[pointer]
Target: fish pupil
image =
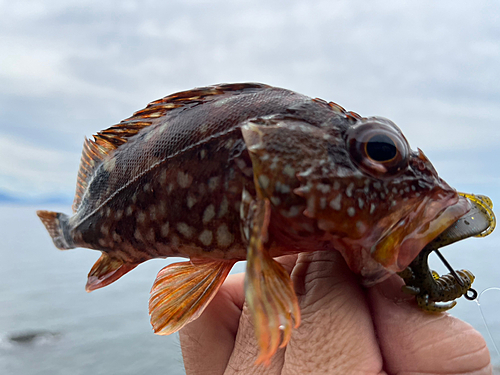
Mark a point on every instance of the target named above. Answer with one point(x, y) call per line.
point(381, 148)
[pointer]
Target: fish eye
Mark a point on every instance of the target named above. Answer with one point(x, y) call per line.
point(381, 148)
point(377, 147)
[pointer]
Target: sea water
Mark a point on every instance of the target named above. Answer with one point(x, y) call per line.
point(61, 329)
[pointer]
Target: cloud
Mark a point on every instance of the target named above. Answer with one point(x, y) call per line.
point(69, 69)
point(33, 171)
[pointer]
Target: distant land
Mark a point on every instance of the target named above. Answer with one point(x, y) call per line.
point(6, 198)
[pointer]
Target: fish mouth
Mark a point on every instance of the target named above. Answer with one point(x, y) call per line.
point(436, 222)
point(480, 221)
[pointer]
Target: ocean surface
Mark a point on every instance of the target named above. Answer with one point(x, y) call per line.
point(50, 325)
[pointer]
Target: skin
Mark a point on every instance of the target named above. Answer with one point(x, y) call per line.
point(346, 329)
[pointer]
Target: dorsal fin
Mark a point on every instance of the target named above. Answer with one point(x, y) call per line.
point(105, 141)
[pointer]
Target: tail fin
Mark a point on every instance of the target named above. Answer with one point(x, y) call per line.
point(57, 225)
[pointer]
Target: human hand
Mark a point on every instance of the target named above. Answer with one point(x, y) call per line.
point(345, 329)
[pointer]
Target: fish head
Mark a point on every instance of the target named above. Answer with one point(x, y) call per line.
point(375, 199)
point(398, 203)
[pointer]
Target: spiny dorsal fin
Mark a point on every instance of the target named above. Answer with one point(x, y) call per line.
point(110, 139)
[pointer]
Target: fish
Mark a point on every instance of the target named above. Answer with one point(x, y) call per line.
point(247, 171)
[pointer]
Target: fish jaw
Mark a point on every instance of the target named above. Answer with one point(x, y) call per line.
point(404, 240)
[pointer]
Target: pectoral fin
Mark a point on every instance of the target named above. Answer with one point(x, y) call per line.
point(107, 270)
point(268, 289)
point(181, 292)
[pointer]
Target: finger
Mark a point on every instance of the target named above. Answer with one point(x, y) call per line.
point(246, 348)
point(246, 351)
point(413, 341)
point(336, 334)
point(208, 341)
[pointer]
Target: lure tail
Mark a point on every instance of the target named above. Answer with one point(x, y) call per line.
point(57, 225)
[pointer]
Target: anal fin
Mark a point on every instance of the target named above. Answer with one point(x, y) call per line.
point(107, 270)
point(268, 289)
point(181, 292)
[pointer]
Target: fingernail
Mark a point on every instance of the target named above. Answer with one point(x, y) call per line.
point(391, 289)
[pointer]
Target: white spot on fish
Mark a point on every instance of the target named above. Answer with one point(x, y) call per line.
point(209, 213)
point(283, 188)
point(274, 164)
point(118, 214)
point(203, 153)
point(165, 228)
point(185, 230)
point(263, 181)
point(372, 208)
point(289, 170)
point(102, 242)
point(307, 173)
point(361, 227)
point(109, 164)
point(245, 196)
point(108, 212)
point(361, 203)
point(241, 163)
point(129, 211)
point(377, 185)
point(265, 156)
point(349, 189)
point(152, 212)
point(184, 179)
point(224, 237)
point(175, 241)
point(141, 217)
point(150, 236)
point(213, 183)
point(324, 188)
point(322, 203)
point(191, 201)
point(336, 185)
point(170, 188)
point(275, 200)
point(163, 177)
point(224, 207)
point(104, 230)
point(134, 198)
point(335, 203)
point(146, 188)
point(116, 237)
point(138, 235)
point(162, 208)
point(246, 232)
point(163, 128)
point(206, 237)
point(351, 211)
point(293, 211)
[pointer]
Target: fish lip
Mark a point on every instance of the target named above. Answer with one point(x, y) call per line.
point(431, 222)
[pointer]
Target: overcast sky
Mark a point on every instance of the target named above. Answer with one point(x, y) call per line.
point(71, 68)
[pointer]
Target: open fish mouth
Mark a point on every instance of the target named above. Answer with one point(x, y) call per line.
point(431, 289)
point(436, 222)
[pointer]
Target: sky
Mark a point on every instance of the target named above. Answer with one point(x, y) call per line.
point(71, 68)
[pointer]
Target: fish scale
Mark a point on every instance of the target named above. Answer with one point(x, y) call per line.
point(248, 171)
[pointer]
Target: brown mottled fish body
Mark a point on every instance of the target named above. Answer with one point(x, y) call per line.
point(248, 171)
